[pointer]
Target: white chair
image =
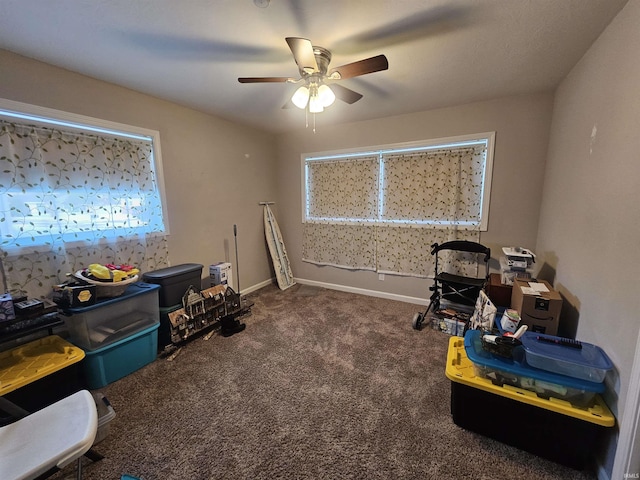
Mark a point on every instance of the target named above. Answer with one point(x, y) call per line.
point(49, 439)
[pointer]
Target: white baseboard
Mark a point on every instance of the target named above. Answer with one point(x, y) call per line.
point(257, 286)
point(364, 291)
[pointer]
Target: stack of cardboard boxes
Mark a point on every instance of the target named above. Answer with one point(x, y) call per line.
point(538, 304)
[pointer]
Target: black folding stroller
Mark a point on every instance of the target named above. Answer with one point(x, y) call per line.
point(453, 288)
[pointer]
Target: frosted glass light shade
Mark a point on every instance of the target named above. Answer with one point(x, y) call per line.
point(326, 95)
point(315, 104)
point(301, 97)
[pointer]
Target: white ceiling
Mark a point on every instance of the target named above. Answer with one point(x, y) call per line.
point(440, 52)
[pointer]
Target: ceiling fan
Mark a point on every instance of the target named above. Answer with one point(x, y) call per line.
point(313, 63)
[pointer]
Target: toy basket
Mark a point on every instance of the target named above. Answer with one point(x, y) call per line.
point(106, 289)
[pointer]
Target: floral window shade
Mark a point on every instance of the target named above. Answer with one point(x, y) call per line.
point(69, 198)
point(383, 212)
point(338, 245)
point(340, 206)
point(441, 186)
point(341, 189)
point(407, 251)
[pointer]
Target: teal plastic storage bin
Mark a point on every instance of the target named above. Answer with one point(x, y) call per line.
point(117, 360)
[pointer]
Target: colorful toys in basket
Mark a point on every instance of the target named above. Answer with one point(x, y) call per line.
point(110, 280)
point(109, 272)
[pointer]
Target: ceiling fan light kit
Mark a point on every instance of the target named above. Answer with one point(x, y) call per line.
point(313, 63)
point(317, 98)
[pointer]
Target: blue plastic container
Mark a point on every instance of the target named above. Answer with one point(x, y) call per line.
point(518, 373)
point(587, 363)
point(117, 360)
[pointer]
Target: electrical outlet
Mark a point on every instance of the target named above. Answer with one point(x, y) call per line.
point(381, 276)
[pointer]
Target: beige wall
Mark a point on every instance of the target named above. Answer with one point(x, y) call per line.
point(215, 171)
point(589, 221)
point(522, 126)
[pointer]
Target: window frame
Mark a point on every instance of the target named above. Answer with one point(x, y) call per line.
point(23, 113)
point(380, 151)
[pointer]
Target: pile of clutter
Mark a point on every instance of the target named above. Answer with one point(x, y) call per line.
point(450, 320)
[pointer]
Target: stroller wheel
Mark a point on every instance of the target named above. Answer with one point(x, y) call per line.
point(417, 321)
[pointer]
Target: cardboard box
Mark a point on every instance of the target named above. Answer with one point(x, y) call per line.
point(74, 295)
point(220, 274)
point(541, 312)
point(498, 292)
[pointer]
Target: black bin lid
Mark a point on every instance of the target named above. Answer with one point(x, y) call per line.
point(176, 270)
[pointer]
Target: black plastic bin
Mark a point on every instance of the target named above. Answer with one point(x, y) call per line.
point(175, 281)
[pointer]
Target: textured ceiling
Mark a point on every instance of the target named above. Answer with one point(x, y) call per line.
point(440, 52)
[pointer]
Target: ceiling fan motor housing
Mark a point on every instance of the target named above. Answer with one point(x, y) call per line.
point(323, 57)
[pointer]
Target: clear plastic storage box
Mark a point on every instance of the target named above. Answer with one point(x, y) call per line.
point(516, 372)
point(589, 362)
point(114, 319)
point(106, 413)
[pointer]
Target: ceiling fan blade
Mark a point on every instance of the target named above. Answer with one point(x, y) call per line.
point(265, 79)
point(345, 94)
point(303, 54)
point(362, 67)
point(417, 26)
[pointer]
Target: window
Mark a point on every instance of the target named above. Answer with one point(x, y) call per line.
point(380, 209)
point(80, 189)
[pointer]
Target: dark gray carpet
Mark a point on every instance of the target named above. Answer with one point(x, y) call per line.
point(322, 384)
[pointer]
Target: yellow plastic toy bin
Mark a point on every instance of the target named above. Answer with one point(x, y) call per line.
point(551, 428)
point(41, 372)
